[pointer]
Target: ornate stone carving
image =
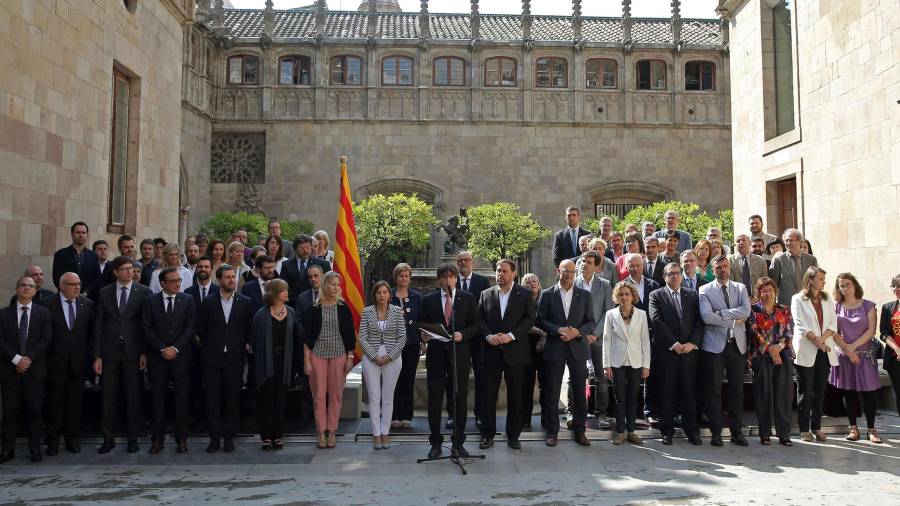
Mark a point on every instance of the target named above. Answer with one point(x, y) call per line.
point(676, 24)
point(626, 25)
point(475, 20)
point(248, 199)
point(238, 157)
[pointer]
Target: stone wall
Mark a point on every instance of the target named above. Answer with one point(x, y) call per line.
point(845, 151)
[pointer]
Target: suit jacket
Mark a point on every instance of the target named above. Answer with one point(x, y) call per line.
point(805, 319)
point(372, 338)
point(757, 270)
point(668, 327)
point(36, 343)
point(464, 320)
point(551, 316)
point(69, 347)
point(147, 271)
point(657, 273)
point(65, 260)
point(649, 286)
point(517, 320)
point(112, 327)
point(719, 318)
point(477, 284)
point(216, 334)
point(296, 278)
point(304, 302)
point(562, 245)
point(162, 330)
point(630, 340)
point(781, 271)
point(194, 291)
point(601, 300)
point(253, 291)
point(698, 281)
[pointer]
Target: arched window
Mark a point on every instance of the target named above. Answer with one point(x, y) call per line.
point(551, 72)
point(449, 71)
point(243, 69)
point(700, 76)
point(294, 69)
point(601, 73)
point(500, 71)
point(397, 71)
point(651, 75)
point(346, 69)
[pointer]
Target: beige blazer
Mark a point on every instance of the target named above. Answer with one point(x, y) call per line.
point(805, 319)
point(757, 270)
point(621, 340)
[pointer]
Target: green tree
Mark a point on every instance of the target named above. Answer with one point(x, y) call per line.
point(221, 225)
point(500, 230)
point(393, 228)
point(691, 218)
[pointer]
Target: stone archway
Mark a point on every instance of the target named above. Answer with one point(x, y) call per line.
point(618, 196)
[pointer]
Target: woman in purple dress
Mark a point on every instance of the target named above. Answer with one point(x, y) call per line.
point(856, 374)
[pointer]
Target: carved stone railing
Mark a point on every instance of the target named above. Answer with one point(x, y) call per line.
point(499, 104)
point(448, 104)
point(651, 107)
point(551, 106)
point(603, 106)
point(345, 103)
point(240, 103)
point(396, 103)
point(296, 103)
point(703, 107)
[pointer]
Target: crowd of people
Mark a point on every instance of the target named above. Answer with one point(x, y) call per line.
point(662, 318)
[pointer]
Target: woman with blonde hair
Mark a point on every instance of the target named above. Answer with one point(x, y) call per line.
point(235, 258)
point(704, 252)
point(328, 355)
point(321, 250)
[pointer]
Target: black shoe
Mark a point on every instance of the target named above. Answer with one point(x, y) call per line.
point(479, 423)
point(739, 439)
point(53, 449)
point(73, 447)
point(581, 439)
point(134, 448)
point(764, 440)
point(785, 441)
point(106, 447)
point(667, 439)
point(36, 455)
point(716, 440)
point(449, 424)
point(435, 451)
point(514, 444)
point(229, 445)
point(6, 457)
point(213, 446)
point(486, 443)
point(155, 447)
point(459, 452)
point(277, 444)
point(695, 439)
point(182, 447)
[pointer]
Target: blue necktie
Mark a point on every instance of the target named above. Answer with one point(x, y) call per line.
point(123, 299)
point(23, 330)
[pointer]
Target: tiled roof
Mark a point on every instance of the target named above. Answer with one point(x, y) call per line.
point(248, 24)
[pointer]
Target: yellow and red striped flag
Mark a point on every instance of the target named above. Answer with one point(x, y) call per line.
point(346, 254)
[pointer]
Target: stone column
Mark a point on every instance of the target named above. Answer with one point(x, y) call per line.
point(628, 84)
point(424, 82)
point(578, 67)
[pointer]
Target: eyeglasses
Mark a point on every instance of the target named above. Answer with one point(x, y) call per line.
point(670, 274)
point(570, 273)
point(27, 285)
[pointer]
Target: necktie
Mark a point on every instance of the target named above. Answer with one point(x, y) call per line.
point(71, 314)
point(169, 306)
point(690, 283)
point(23, 330)
point(677, 298)
point(574, 241)
point(123, 299)
point(448, 308)
point(745, 271)
point(650, 268)
point(315, 296)
point(725, 296)
point(798, 276)
point(203, 292)
point(466, 285)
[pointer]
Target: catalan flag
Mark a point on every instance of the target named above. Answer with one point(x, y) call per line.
point(346, 254)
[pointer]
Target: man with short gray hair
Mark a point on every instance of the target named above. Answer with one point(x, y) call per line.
point(788, 267)
point(684, 238)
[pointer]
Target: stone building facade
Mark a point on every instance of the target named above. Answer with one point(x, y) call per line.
point(90, 119)
point(462, 109)
point(815, 88)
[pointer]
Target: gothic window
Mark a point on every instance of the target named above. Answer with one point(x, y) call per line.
point(397, 71)
point(243, 69)
point(118, 170)
point(346, 70)
point(651, 75)
point(500, 71)
point(700, 76)
point(449, 71)
point(550, 72)
point(294, 69)
point(601, 73)
point(238, 157)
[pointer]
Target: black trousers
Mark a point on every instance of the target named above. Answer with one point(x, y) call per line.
point(626, 385)
point(773, 395)
point(602, 393)
point(223, 380)
point(892, 366)
point(869, 406)
point(533, 374)
point(439, 365)
point(476, 350)
point(677, 380)
point(178, 371)
point(270, 409)
point(125, 371)
point(62, 408)
point(554, 370)
point(404, 392)
point(811, 382)
point(729, 363)
point(16, 391)
point(514, 376)
point(653, 386)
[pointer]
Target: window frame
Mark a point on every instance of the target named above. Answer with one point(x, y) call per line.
point(601, 61)
point(700, 64)
point(397, 59)
point(295, 59)
point(449, 62)
point(500, 81)
point(112, 223)
point(551, 60)
point(637, 77)
point(345, 59)
point(245, 57)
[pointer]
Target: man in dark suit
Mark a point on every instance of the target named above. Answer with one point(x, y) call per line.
point(77, 258)
point(24, 339)
point(654, 265)
point(293, 270)
point(200, 290)
point(565, 312)
point(223, 325)
point(644, 285)
point(148, 261)
point(168, 320)
point(506, 314)
point(458, 312)
point(474, 283)
point(675, 352)
point(601, 298)
point(690, 279)
point(204, 287)
point(565, 242)
point(37, 275)
point(72, 320)
point(254, 290)
point(119, 350)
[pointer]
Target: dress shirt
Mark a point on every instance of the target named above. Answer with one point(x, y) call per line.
point(444, 296)
point(262, 287)
point(169, 299)
point(65, 306)
point(464, 282)
point(651, 265)
point(638, 285)
point(504, 301)
point(119, 287)
point(17, 358)
point(691, 281)
point(226, 309)
point(676, 296)
point(566, 297)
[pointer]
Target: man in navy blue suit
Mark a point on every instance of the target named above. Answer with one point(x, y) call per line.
point(77, 258)
point(204, 287)
point(565, 242)
point(254, 290)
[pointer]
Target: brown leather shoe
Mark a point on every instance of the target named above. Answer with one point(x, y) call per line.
point(619, 439)
point(634, 439)
point(550, 440)
point(820, 436)
point(581, 439)
point(156, 447)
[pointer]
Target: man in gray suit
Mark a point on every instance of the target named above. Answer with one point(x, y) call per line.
point(788, 267)
point(601, 297)
point(724, 307)
point(746, 266)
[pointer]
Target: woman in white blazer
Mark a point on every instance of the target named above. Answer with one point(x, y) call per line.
point(815, 324)
point(626, 357)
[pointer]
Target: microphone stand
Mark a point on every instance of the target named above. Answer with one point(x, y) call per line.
point(454, 386)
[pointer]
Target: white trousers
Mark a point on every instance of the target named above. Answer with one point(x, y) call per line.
point(380, 383)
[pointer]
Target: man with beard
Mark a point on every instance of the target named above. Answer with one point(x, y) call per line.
point(77, 258)
point(255, 290)
point(148, 261)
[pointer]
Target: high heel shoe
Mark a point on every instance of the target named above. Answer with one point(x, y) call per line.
point(854, 434)
point(872, 434)
point(331, 438)
point(321, 441)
